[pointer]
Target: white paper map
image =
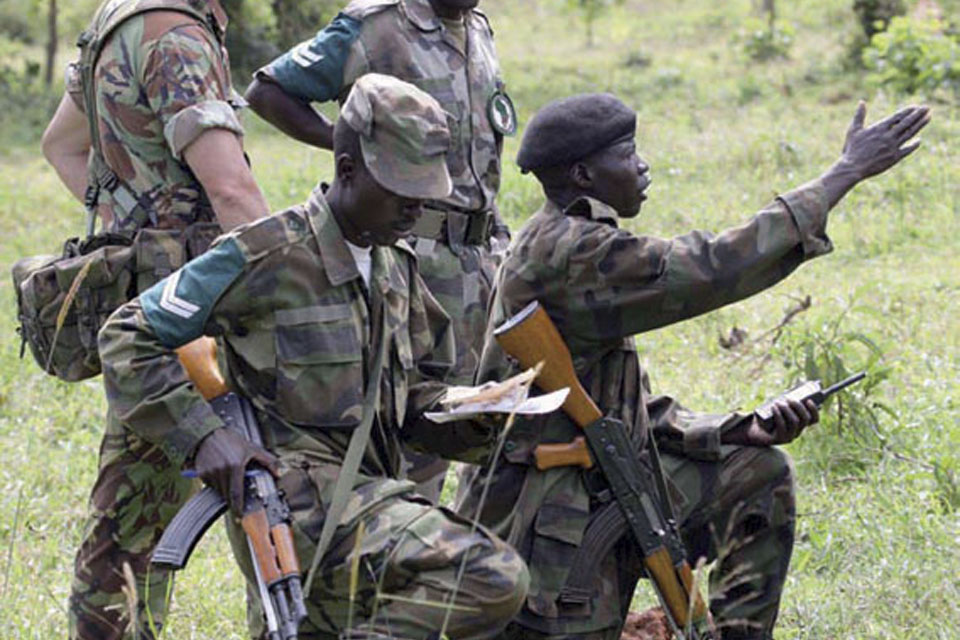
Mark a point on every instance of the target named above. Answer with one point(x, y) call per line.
point(509, 396)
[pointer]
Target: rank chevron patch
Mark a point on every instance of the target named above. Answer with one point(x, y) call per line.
point(170, 302)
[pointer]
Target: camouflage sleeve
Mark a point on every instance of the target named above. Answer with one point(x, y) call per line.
point(315, 70)
point(619, 284)
point(434, 352)
point(145, 384)
point(72, 85)
point(684, 432)
point(187, 86)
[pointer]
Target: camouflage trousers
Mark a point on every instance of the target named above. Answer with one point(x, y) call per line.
point(460, 279)
point(739, 511)
point(137, 493)
point(408, 553)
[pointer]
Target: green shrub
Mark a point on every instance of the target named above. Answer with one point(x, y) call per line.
point(914, 56)
point(760, 41)
point(875, 15)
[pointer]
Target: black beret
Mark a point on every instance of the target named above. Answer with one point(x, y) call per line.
point(567, 130)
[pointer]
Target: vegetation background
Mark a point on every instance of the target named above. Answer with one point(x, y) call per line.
point(738, 101)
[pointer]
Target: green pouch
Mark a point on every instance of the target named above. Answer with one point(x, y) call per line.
point(63, 301)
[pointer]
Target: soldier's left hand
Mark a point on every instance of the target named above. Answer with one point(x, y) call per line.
point(790, 418)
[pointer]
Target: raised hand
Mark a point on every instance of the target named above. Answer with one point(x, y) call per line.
point(868, 151)
point(874, 149)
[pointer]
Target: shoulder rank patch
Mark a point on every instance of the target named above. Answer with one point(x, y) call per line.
point(178, 306)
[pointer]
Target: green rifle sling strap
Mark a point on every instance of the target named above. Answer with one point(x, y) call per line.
point(351, 461)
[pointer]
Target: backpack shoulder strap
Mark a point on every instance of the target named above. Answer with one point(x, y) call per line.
point(136, 210)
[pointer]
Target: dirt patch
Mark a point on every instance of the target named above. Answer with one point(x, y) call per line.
point(648, 625)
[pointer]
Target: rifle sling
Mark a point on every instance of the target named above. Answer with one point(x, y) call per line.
point(354, 455)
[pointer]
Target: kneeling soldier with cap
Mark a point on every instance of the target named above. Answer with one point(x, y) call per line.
point(329, 331)
point(732, 492)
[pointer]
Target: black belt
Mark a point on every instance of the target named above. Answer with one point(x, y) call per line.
point(455, 227)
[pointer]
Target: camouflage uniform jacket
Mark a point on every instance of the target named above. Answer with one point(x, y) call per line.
point(296, 320)
point(406, 39)
point(161, 80)
point(601, 285)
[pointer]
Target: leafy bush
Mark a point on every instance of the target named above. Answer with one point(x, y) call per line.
point(760, 41)
point(875, 15)
point(914, 56)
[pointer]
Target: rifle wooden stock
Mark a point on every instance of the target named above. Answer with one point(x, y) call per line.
point(531, 337)
point(564, 454)
point(199, 359)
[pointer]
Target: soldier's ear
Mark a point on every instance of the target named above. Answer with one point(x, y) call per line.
point(346, 168)
point(580, 175)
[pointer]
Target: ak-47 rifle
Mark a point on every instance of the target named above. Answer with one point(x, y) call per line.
point(266, 516)
point(531, 337)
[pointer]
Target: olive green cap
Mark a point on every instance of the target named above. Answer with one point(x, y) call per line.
point(403, 135)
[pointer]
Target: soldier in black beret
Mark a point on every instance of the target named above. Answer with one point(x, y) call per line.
point(732, 490)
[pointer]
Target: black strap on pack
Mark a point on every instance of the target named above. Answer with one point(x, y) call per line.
point(137, 209)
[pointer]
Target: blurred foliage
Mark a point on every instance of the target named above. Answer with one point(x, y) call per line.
point(762, 41)
point(915, 55)
point(873, 16)
point(589, 11)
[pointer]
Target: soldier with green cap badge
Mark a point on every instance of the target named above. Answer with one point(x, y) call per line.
point(732, 492)
point(446, 48)
point(330, 332)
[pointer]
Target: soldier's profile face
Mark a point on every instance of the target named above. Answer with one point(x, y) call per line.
point(620, 178)
point(382, 216)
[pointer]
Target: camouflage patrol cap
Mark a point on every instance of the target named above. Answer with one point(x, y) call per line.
point(573, 128)
point(403, 135)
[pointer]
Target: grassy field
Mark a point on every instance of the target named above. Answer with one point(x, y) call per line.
point(878, 551)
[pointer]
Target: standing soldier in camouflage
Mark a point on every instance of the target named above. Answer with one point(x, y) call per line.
point(331, 333)
point(147, 136)
point(444, 47)
point(732, 491)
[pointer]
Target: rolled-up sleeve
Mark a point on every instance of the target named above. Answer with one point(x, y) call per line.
point(189, 124)
point(187, 86)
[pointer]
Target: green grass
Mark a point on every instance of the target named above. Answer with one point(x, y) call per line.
point(878, 550)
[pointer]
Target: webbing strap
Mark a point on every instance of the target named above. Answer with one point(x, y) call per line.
point(351, 461)
point(138, 212)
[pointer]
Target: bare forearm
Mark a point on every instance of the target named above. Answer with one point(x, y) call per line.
point(217, 160)
point(294, 117)
point(235, 207)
